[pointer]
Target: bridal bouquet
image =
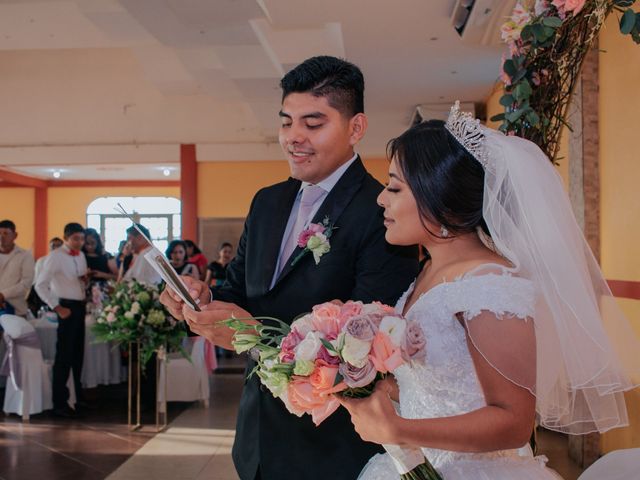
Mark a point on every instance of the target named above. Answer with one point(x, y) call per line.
point(337, 348)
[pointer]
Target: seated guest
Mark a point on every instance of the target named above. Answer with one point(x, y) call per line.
point(217, 270)
point(140, 269)
point(61, 284)
point(196, 257)
point(16, 271)
point(177, 254)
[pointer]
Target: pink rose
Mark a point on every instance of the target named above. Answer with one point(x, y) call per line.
point(574, 6)
point(288, 346)
point(414, 346)
point(326, 319)
point(309, 232)
point(348, 310)
point(325, 356)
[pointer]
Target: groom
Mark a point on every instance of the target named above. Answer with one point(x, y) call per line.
point(322, 119)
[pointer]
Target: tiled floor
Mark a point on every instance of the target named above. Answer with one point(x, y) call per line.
point(90, 447)
point(196, 446)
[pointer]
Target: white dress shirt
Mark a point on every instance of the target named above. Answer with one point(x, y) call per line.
point(327, 185)
point(61, 277)
point(141, 270)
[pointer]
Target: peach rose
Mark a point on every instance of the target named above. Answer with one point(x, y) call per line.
point(384, 354)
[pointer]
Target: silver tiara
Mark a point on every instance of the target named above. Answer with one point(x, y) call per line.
point(468, 132)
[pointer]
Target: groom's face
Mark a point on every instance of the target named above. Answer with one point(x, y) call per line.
point(315, 137)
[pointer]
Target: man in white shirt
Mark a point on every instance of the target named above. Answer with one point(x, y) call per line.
point(16, 271)
point(61, 285)
point(140, 269)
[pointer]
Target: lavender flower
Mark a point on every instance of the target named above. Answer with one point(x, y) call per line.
point(355, 377)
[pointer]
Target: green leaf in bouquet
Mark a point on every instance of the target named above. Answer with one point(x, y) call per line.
point(628, 21)
point(553, 22)
point(510, 67)
point(328, 345)
point(506, 101)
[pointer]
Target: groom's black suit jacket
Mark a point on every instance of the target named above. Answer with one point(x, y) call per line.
point(359, 266)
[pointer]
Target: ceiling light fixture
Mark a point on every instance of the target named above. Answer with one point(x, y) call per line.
point(166, 172)
point(56, 174)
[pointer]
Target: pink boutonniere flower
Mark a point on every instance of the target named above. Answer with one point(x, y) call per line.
point(315, 239)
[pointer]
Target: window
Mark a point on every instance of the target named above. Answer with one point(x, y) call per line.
point(161, 215)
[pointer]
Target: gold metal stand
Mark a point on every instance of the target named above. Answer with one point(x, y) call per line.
point(137, 425)
point(134, 383)
point(161, 405)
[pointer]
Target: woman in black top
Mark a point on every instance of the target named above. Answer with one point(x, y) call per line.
point(217, 270)
point(177, 255)
point(101, 265)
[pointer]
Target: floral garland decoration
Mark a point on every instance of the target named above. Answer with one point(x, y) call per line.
point(548, 42)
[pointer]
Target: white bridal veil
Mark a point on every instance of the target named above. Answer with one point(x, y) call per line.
point(586, 353)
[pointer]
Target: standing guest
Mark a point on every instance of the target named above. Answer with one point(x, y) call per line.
point(177, 255)
point(124, 258)
point(197, 258)
point(55, 242)
point(34, 302)
point(217, 270)
point(322, 120)
point(61, 285)
point(16, 271)
point(140, 269)
point(102, 266)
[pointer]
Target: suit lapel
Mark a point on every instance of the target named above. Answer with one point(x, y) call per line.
point(278, 219)
point(333, 206)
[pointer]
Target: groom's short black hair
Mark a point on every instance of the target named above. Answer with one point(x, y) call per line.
point(341, 82)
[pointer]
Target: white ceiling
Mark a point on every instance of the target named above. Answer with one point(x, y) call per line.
point(87, 85)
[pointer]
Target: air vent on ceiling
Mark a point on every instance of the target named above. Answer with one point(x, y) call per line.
point(437, 111)
point(479, 21)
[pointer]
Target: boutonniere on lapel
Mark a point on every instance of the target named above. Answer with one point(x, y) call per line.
point(315, 239)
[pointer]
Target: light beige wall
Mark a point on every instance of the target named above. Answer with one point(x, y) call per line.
point(619, 103)
point(225, 189)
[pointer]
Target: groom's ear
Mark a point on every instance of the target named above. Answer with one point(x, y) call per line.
point(357, 127)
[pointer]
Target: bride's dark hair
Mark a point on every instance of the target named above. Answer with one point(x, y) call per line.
point(446, 180)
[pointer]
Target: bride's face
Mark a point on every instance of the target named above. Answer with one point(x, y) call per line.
point(401, 216)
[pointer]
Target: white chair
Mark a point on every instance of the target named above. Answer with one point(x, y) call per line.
point(616, 465)
point(29, 393)
point(185, 381)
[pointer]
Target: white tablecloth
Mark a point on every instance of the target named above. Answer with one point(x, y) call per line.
point(101, 360)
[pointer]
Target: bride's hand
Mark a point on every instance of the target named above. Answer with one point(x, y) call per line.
point(374, 417)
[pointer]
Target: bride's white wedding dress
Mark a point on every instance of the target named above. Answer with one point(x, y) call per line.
point(446, 384)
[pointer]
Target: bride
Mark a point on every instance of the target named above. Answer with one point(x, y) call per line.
point(519, 323)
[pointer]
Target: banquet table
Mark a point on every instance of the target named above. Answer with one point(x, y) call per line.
point(101, 366)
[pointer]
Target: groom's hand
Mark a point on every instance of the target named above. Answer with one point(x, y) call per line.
point(197, 289)
point(374, 417)
point(208, 322)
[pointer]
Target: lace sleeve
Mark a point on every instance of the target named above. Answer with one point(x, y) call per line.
point(497, 314)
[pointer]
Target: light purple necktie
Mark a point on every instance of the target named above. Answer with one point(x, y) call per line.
point(310, 195)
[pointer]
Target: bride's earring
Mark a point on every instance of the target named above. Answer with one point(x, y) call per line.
point(444, 233)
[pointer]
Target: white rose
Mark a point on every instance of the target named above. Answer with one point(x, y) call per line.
point(308, 348)
point(111, 317)
point(394, 327)
point(135, 308)
point(129, 315)
point(355, 351)
point(303, 325)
